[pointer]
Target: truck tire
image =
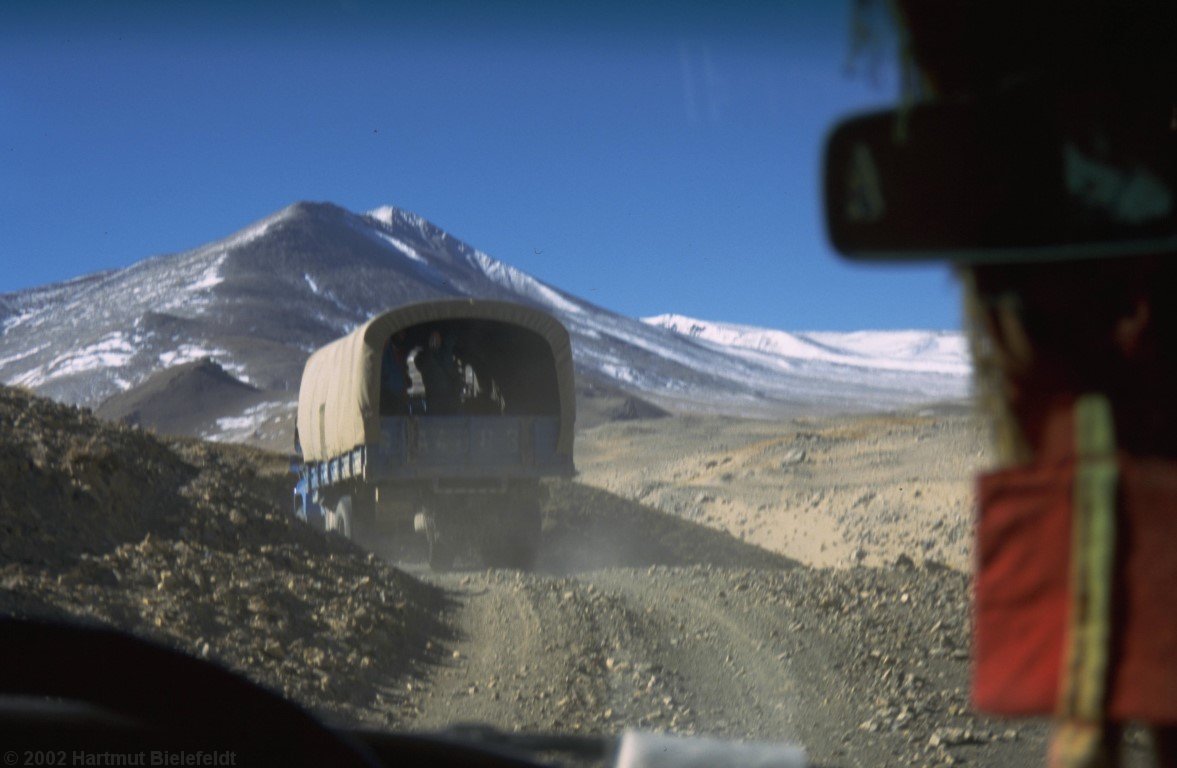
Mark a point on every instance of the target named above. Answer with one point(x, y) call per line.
point(441, 551)
point(309, 513)
point(439, 537)
point(363, 514)
point(339, 519)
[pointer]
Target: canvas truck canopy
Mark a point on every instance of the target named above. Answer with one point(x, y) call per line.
point(526, 350)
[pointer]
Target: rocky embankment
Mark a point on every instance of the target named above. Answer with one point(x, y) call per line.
point(189, 543)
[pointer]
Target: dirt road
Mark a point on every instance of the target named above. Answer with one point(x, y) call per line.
point(852, 665)
point(862, 666)
point(643, 620)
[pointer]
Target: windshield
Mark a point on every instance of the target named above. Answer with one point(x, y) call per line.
point(710, 480)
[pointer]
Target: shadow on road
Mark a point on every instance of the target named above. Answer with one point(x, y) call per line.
point(586, 528)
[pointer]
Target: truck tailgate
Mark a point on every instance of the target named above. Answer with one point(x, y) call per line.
point(471, 446)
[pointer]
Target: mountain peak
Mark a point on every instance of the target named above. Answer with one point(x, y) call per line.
point(384, 214)
point(390, 215)
point(301, 211)
point(309, 208)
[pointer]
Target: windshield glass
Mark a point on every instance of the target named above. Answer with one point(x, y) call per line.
point(486, 363)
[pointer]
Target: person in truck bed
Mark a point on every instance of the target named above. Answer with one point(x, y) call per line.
point(394, 377)
point(440, 375)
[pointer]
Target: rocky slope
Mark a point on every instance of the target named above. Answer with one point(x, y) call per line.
point(189, 543)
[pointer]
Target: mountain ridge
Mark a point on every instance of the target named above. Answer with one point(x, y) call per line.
point(259, 300)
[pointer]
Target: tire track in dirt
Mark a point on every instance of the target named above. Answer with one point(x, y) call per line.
point(610, 649)
point(745, 668)
point(525, 657)
point(725, 667)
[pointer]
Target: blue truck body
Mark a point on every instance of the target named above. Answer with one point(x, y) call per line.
point(446, 452)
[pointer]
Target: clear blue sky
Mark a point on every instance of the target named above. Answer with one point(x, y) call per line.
point(648, 157)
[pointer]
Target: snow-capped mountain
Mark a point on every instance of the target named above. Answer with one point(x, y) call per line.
point(258, 302)
point(916, 352)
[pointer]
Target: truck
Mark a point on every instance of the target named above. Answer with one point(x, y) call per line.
point(464, 467)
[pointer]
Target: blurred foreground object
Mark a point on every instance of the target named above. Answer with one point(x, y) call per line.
point(657, 750)
point(1035, 147)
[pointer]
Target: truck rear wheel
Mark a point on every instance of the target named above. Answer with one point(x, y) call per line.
point(438, 537)
point(362, 521)
point(441, 550)
point(339, 519)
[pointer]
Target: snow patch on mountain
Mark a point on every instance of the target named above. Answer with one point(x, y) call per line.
point(22, 355)
point(250, 418)
point(236, 429)
point(111, 351)
point(210, 278)
point(15, 320)
point(520, 282)
point(236, 370)
point(389, 216)
point(187, 353)
point(384, 214)
point(403, 247)
point(934, 352)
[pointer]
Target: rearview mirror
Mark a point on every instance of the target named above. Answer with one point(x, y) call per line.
point(955, 181)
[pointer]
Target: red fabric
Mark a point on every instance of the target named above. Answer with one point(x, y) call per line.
point(1021, 589)
point(1023, 555)
point(1146, 659)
